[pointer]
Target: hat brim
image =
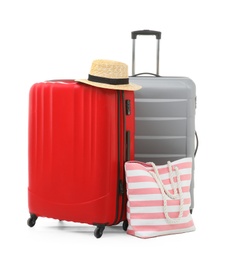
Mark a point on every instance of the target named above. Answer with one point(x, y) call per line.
point(129, 87)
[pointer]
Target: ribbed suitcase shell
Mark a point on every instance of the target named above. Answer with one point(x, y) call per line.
point(79, 138)
point(165, 119)
point(165, 114)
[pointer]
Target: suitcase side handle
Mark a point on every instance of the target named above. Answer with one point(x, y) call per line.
point(197, 143)
point(146, 32)
point(128, 142)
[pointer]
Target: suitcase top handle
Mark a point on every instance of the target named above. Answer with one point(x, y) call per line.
point(146, 32)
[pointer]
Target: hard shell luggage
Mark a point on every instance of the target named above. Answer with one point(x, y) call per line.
point(79, 138)
point(165, 114)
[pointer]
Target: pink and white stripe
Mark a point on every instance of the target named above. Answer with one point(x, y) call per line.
point(145, 207)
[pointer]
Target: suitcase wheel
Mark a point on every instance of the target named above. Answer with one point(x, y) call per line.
point(32, 220)
point(125, 225)
point(98, 232)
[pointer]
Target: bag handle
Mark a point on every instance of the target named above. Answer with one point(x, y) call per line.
point(165, 192)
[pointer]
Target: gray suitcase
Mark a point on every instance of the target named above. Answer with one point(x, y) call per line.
point(165, 115)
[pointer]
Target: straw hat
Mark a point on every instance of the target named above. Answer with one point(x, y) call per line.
point(110, 75)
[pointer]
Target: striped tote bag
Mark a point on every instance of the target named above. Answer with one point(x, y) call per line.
point(159, 198)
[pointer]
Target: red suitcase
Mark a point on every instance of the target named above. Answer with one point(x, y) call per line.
point(79, 138)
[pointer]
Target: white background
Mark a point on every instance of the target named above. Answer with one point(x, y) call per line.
point(47, 39)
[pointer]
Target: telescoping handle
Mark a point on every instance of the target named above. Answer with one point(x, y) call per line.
point(134, 35)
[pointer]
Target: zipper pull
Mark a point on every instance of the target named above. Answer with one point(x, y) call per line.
point(128, 107)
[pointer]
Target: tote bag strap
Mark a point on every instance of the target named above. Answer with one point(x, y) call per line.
point(165, 193)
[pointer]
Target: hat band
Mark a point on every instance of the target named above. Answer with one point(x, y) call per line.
point(108, 80)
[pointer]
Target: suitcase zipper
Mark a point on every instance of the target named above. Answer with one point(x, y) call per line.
point(126, 107)
point(119, 144)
